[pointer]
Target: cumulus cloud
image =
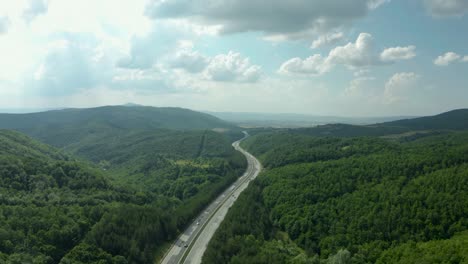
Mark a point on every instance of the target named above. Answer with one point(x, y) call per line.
point(73, 63)
point(314, 65)
point(398, 53)
point(191, 61)
point(4, 24)
point(446, 8)
point(290, 19)
point(362, 53)
point(34, 9)
point(327, 39)
point(232, 67)
point(147, 49)
point(143, 53)
point(465, 59)
point(399, 85)
point(66, 69)
point(358, 54)
point(447, 58)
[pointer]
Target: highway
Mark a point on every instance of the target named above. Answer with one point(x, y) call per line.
point(192, 243)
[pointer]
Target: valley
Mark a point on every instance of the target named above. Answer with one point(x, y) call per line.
point(107, 195)
point(85, 186)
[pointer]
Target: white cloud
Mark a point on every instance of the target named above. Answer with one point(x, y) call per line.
point(276, 18)
point(358, 54)
point(232, 67)
point(465, 59)
point(165, 38)
point(327, 39)
point(34, 9)
point(314, 65)
point(447, 58)
point(362, 53)
point(189, 60)
point(68, 67)
point(399, 86)
point(145, 50)
point(445, 8)
point(398, 53)
point(4, 23)
point(94, 34)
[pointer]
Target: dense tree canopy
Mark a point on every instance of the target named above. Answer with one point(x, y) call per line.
point(349, 200)
point(135, 197)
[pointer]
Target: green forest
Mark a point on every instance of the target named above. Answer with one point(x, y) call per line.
point(120, 198)
point(350, 200)
point(118, 184)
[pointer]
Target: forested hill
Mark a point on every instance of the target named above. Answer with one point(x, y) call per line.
point(453, 120)
point(48, 203)
point(64, 127)
point(147, 187)
point(18, 145)
point(350, 200)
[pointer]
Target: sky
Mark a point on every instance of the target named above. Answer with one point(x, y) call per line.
point(334, 57)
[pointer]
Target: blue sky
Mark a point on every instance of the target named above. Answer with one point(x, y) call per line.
point(336, 57)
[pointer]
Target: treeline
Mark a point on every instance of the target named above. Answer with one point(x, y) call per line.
point(347, 200)
point(55, 209)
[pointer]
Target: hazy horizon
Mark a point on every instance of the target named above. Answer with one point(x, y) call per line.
point(19, 110)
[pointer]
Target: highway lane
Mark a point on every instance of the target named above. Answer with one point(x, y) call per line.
point(192, 243)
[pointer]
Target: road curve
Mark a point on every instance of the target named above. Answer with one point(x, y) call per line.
point(192, 243)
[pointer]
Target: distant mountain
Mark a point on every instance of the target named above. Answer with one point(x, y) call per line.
point(68, 126)
point(26, 110)
point(453, 120)
point(285, 120)
point(132, 105)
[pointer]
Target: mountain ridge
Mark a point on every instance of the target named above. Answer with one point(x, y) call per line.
point(67, 126)
point(447, 121)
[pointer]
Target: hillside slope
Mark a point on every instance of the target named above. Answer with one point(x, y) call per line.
point(324, 199)
point(453, 120)
point(55, 209)
point(63, 127)
point(46, 199)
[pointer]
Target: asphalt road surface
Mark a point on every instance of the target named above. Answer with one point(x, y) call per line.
point(192, 243)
